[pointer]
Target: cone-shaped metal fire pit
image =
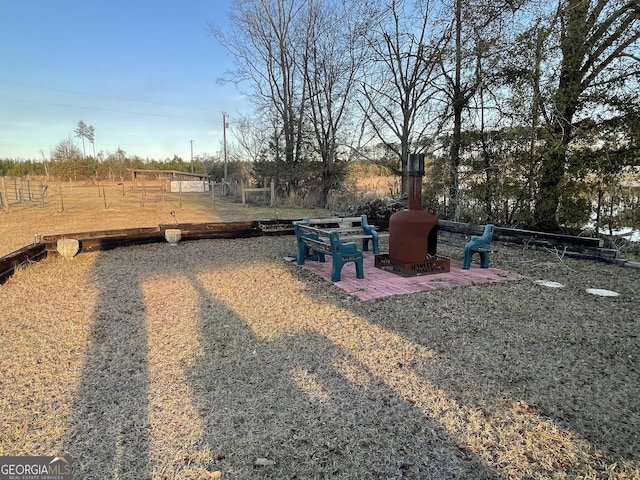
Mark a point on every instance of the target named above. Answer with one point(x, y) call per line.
point(413, 233)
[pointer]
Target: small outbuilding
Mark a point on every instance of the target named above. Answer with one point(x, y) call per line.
point(172, 180)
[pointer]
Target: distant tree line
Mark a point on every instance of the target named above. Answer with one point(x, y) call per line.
point(21, 168)
point(67, 162)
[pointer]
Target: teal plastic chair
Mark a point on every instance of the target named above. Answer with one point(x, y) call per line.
point(480, 245)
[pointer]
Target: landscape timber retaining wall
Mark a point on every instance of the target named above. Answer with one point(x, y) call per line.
point(578, 247)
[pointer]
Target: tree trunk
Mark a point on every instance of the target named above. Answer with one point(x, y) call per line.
point(454, 160)
point(552, 169)
point(549, 191)
point(458, 102)
point(593, 37)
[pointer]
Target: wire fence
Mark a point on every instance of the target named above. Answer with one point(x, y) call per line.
point(16, 191)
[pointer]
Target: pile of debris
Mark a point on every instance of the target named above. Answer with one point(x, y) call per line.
point(378, 211)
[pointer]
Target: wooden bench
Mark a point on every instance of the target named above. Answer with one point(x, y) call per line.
point(335, 236)
point(480, 245)
point(350, 229)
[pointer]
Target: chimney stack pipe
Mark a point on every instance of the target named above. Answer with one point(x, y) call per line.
point(415, 172)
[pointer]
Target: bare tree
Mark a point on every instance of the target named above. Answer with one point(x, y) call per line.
point(398, 91)
point(252, 137)
point(301, 59)
point(469, 54)
point(267, 39)
point(66, 159)
point(335, 57)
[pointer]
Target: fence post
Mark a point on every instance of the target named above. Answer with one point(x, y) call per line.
point(61, 199)
point(4, 201)
point(273, 192)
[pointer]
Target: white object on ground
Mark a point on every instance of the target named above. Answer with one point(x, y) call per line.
point(173, 235)
point(549, 283)
point(68, 247)
point(602, 293)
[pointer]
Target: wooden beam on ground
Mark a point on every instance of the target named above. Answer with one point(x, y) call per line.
point(200, 231)
point(9, 263)
point(516, 235)
point(277, 227)
point(566, 245)
point(106, 239)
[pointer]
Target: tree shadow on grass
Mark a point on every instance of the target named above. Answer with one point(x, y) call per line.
point(567, 365)
point(302, 391)
point(313, 408)
point(109, 433)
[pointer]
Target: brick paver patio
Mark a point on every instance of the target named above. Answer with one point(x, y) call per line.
point(378, 283)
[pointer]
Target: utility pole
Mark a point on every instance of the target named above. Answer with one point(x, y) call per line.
point(191, 155)
point(224, 142)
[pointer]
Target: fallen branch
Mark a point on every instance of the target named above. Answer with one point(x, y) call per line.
point(560, 257)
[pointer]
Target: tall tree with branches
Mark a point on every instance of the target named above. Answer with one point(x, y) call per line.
point(337, 53)
point(91, 136)
point(467, 58)
point(81, 131)
point(398, 89)
point(268, 39)
point(598, 58)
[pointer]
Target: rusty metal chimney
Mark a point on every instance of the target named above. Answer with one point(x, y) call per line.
point(413, 233)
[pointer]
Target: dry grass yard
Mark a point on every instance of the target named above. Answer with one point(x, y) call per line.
point(217, 359)
point(83, 207)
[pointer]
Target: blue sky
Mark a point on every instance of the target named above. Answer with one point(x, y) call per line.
point(142, 73)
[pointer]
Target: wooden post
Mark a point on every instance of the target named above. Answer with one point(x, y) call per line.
point(4, 201)
point(104, 196)
point(273, 191)
point(61, 199)
point(242, 190)
point(180, 191)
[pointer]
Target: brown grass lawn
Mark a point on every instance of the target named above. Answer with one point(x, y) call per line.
point(82, 207)
point(217, 359)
